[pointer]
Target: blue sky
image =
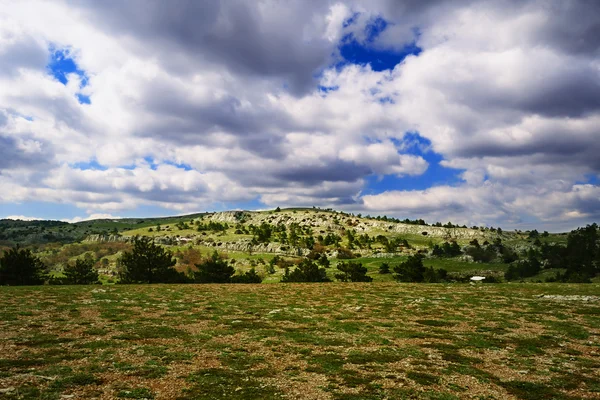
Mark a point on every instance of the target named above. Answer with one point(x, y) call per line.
point(433, 111)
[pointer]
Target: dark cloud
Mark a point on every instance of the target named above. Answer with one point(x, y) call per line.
point(331, 171)
point(569, 95)
point(12, 156)
point(178, 118)
point(24, 53)
point(572, 26)
point(261, 41)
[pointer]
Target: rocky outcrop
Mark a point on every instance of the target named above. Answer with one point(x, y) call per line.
point(245, 245)
point(107, 238)
point(328, 221)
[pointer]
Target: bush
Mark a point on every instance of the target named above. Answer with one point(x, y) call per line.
point(412, 270)
point(344, 254)
point(447, 250)
point(306, 271)
point(523, 269)
point(384, 268)
point(20, 267)
point(214, 270)
point(247, 277)
point(352, 272)
point(482, 254)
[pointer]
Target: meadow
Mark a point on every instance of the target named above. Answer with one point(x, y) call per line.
point(381, 340)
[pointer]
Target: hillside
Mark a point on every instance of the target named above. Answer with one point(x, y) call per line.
point(270, 240)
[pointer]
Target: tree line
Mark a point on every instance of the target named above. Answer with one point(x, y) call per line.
point(147, 262)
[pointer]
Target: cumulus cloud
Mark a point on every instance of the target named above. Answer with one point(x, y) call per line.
point(22, 218)
point(222, 102)
point(91, 217)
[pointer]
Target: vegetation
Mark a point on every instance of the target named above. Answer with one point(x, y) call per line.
point(247, 277)
point(317, 340)
point(446, 250)
point(273, 242)
point(358, 341)
point(306, 271)
point(352, 271)
point(81, 273)
point(20, 267)
point(413, 270)
point(148, 263)
point(384, 268)
point(214, 270)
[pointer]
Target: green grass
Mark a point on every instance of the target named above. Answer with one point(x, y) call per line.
point(293, 341)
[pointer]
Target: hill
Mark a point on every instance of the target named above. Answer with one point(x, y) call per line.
point(270, 240)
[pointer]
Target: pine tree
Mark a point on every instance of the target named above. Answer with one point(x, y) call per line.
point(81, 273)
point(352, 271)
point(148, 263)
point(214, 270)
point(20, 267)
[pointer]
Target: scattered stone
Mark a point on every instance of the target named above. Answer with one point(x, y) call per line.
point(7, 390)
point(274, 311)
point(573, 297)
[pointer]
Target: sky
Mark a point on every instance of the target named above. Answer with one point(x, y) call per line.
point(476, 112)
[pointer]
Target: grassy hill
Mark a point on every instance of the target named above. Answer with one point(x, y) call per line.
point(240, 236)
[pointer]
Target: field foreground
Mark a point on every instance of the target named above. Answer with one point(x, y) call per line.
point(301, 341)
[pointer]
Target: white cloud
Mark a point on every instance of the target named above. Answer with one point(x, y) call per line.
point(506, 92)
point(91, 217)
point(22, 218)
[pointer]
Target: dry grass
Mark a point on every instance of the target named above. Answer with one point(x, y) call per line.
point(299, 341)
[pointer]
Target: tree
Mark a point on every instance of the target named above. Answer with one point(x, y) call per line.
point(214, 270)
point(306, 271)
point(81, 273)
point(410, 270)
point(384, 268)
point(352, 271)
point(20, 267)
point(247, 277)
point(323, 261)
point(148, 262)
point(583, 251)
point(523, 269)
point(431, 275)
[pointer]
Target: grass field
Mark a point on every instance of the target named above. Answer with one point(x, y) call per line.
point(300, 341)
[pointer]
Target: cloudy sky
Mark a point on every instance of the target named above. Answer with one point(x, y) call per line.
point(478, 112)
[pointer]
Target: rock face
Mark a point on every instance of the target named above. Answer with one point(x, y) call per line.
point(329, 221)
point(107, 238)
point(231, 217)
point(245, 245)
